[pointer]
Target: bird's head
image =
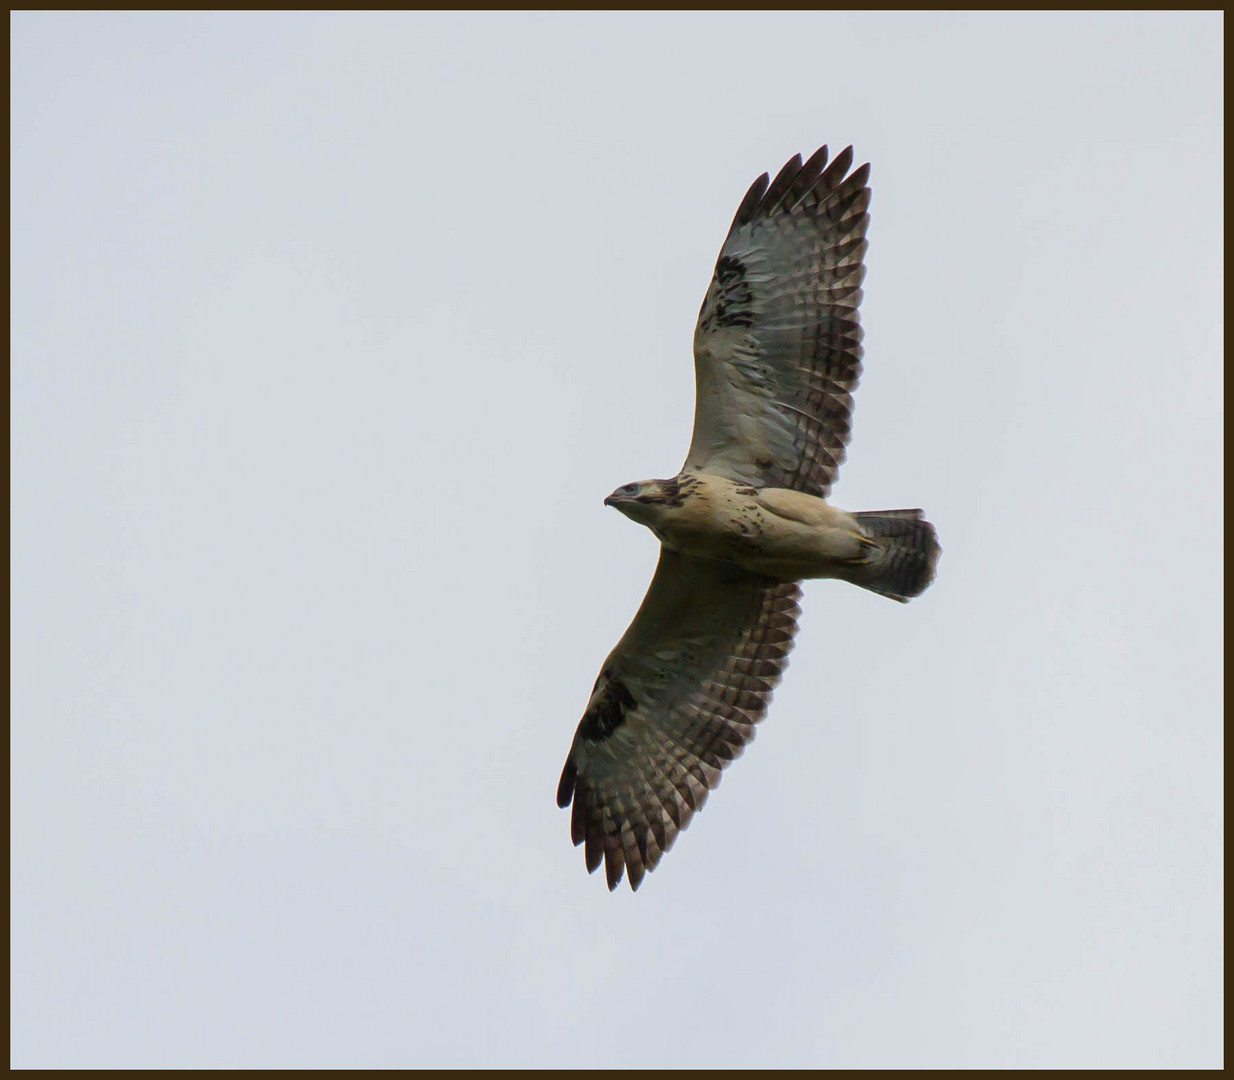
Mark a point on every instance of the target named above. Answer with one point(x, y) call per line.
point(646, 501)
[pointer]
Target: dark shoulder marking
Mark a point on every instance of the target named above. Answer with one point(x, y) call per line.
point(607, 712)
point(734, 301)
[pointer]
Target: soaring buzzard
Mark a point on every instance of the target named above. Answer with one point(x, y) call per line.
point(777, 354)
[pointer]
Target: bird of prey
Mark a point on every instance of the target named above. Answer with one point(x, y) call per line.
point(777, 355)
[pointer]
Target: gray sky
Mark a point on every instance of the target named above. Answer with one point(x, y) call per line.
point(330, 334)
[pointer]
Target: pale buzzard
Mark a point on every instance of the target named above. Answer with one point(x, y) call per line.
point(777, 354)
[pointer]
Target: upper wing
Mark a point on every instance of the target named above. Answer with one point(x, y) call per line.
point(675, 702)
point(777, 348)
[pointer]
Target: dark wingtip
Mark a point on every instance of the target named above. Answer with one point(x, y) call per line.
point(816, 162)
point(614, 865)
point(565, 786)
point(745, 212)
point(834, 177)
point(843, 160)
point(780, 185)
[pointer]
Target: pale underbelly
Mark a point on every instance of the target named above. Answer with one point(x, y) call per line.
point(785, 550)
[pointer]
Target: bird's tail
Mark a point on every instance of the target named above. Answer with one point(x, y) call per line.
point(902, 554)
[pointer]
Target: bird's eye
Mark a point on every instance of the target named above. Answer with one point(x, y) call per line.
point(631, 489)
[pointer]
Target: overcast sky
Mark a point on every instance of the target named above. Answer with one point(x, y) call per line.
point(330, 334)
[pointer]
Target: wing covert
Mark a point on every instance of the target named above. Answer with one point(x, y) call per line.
point(675, 702)
point(777, 347)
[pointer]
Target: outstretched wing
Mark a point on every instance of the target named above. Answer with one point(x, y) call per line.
point(777, 348)
point(675, 702)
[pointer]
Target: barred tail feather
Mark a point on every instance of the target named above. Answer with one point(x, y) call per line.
point(901, 563)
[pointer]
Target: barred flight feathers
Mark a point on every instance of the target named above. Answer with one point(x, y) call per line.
point(777, 348)
point(675, 702)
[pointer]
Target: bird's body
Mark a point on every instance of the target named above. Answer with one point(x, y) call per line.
point(777, 354)
point(772, 531)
